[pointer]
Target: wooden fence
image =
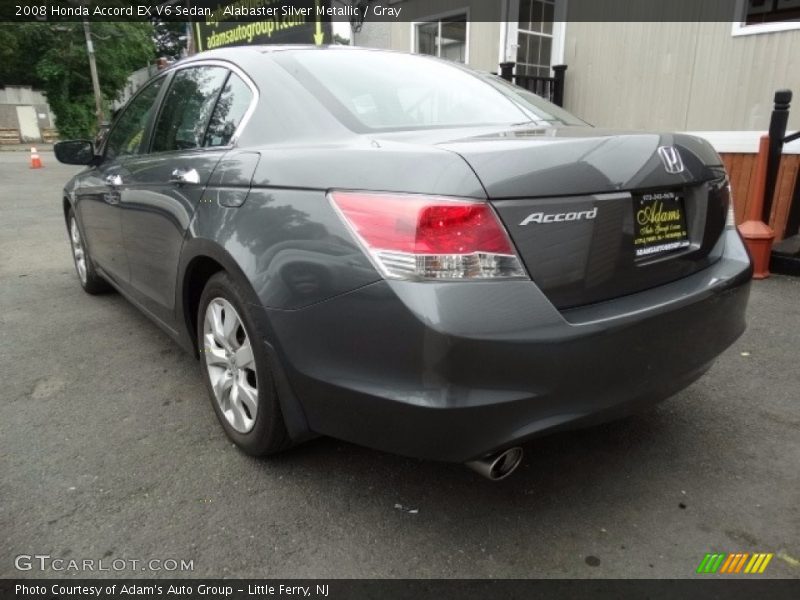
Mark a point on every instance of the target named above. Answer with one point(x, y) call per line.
point(740, 168)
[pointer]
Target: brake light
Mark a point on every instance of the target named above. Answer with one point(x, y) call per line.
point(416, 237)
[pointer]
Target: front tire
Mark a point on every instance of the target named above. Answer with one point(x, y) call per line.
point(90, 280)
point(235, 369)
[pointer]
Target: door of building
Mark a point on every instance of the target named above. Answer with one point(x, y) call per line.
point(534, 38)
point(28, 124)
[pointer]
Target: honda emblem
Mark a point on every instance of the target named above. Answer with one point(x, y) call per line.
point(671, 159)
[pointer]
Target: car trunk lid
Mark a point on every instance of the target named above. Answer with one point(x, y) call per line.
point(597, 215)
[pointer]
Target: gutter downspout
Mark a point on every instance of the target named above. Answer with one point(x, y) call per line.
point(503, 51)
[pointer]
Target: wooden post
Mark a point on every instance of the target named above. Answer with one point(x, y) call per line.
point(758, 236)
point(98, 96)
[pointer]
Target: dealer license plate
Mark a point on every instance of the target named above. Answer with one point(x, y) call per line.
point(659, 224)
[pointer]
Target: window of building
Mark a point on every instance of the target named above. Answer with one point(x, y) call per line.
point(535, 37)
point(445, 38)
point(765, 16)
point(769, 11)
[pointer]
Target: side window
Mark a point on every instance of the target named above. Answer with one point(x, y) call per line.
point(187, 108)
point(231, 107)
point(128, 132)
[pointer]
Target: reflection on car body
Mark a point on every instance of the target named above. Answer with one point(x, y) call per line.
point(404, 253)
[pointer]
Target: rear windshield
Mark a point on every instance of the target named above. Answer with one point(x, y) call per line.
point(372, 91)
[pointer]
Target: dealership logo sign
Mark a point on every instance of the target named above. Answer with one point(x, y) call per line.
point(671, 159)
point(734, 563)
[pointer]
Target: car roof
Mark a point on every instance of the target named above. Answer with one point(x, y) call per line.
point(283, 47)
point(232, 53)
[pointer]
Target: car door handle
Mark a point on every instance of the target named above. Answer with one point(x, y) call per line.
point(181, 176)
point(113, 180)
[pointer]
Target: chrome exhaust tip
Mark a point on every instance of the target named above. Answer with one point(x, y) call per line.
point(499, 465)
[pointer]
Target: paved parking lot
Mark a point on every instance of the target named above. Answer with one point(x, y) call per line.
point(109, 449)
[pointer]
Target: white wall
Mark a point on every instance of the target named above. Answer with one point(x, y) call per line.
point(678, 76)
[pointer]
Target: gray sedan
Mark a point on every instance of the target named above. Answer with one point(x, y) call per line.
point(404, 253)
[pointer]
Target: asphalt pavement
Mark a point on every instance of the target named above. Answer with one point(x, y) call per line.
point(109, 449)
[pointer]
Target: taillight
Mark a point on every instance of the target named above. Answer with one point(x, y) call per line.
point(411, 236)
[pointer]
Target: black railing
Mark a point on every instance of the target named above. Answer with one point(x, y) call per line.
point(777, 138)
point(786, 253)
point(549, 88)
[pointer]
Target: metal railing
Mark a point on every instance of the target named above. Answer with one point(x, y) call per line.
point(549, 88)
point(777, 138)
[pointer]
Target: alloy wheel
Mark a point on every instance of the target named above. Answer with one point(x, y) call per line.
point(230, 364)
point(78, 253)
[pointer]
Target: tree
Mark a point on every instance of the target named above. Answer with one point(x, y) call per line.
point(53, 58)
point(20, 48)
point(170, 38)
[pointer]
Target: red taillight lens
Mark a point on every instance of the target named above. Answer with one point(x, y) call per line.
point(425, 237)
point(460, 229)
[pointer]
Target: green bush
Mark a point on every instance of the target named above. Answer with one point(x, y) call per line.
point(53, 58)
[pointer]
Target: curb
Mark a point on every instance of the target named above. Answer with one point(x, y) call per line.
point(26, 147)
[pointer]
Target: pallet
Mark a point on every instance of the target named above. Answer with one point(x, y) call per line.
point(9, 136)
point(49, 136)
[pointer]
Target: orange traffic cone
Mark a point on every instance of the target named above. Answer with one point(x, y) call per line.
point(36, 161)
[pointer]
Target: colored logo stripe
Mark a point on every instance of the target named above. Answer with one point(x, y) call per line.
point(758, 563)
point(710, 563)
point(734, 562)
point(729, 563)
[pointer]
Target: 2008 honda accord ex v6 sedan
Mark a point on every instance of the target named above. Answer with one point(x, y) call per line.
point(404, 253)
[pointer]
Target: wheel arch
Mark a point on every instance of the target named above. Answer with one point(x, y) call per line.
point(200, 260)
point(66, 206)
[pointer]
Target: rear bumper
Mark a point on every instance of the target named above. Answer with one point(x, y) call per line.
point(452, 371)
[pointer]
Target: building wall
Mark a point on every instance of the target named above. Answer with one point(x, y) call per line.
point(484, 35)
point(31, 102)
point(18, 94)
point(678, 76)
point(377, 34)
point(483, 43)
point(8, 116)
point(479, 10)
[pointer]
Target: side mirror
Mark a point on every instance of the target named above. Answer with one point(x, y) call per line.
point(75, 152)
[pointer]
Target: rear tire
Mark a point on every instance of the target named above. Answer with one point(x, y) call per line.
point(90, 280)
point(235, 368)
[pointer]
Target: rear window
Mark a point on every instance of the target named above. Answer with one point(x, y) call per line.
point(371, 91)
